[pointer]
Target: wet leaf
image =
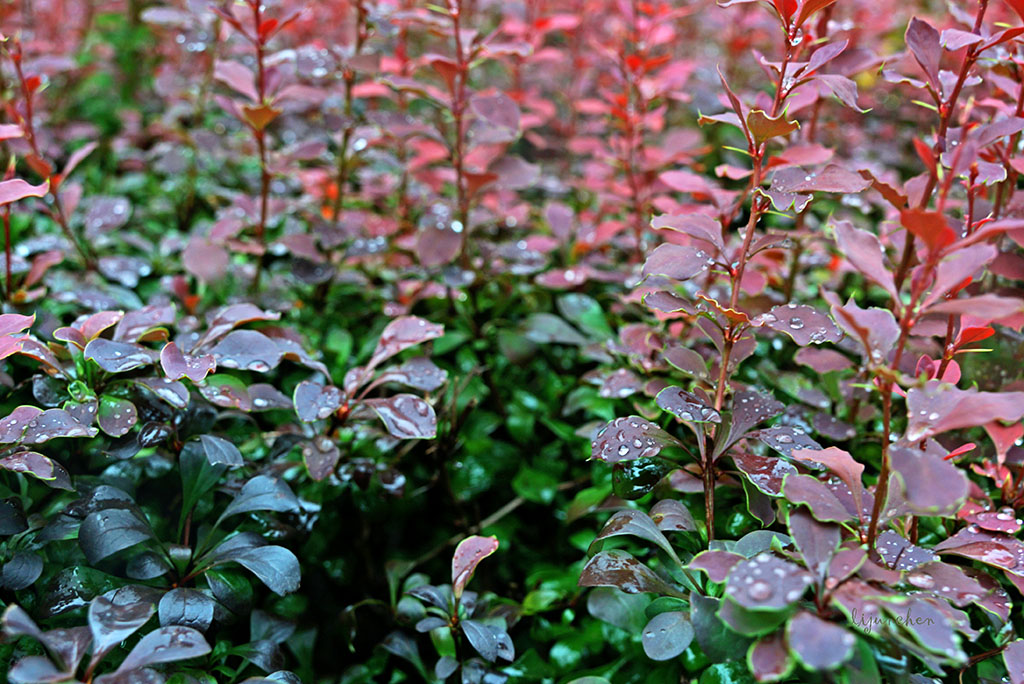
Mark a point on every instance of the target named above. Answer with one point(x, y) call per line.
point(165, 645)
point(687, 406)
point(939, 408)
point(636, 524)
point(784, 439)
point(677, 261)
point(671, 515)
point(116, 416)
point(805, 324)
point(766, 582)
point(402, 333)
point(899, 554)
point(406, 416)
point(823, 504)
point(263, 493)
point(630, 438)
point(275, 566)
point(931, 485)
point(186, 607)
point(667, 635)
point(717, 564)
point(467, 556)
point(104, 533)
point(177, 364)
point(316, 402)
point(115, 616)
point(769, 659)
point(247, 350)
point(764, 472)
point(490, 641)
point(38, 466)
point(171, 391)
point(619, 569)
point(419, 373)
point(118, 357)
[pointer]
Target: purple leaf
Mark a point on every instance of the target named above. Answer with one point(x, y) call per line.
point(630, 438)
point(263, 493)
point(931, 485)
point(1013, 657)
point(104, 533)
point(876, 329)
point(939, 408)
point(17, 189)
point(671, 515)
point(864, 251)
point(769, 659)
point(321, 457)
point(840, 463)
point(467, 556)
point(784, 439)
point(619, 569)
point(230, 317)
point(419, 373)
point(316, 402)
point(247, 350)
point(818, 644)
point(115, 616)
point(823, 504)
point(118, 357)
point(766, 582)
point(275, 566)
point(817, 542)
point(116, 416)
point(804, 324)
point(923, 41)
point(50, 424)
point(405, 416)
point(177, 364)
point(402, 333)
point(187, 608)
point(764, 472)
point(687, 406)
point(41, 467)
point(899, 554)
point(636, 524)
point(677, 261)
point(717, 564)
point(165, 645)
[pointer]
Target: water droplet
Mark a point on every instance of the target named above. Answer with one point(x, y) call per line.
point(796, 323)
point(760, 591)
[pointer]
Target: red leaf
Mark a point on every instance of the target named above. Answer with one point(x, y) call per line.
point(930, 226)
point(17, 189)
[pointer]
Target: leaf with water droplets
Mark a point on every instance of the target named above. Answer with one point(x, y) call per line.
point(671, 515)
point(263, 493)
point(247, 350)
point(876, 328)
point(490, 641)
point(838, 462)
point(1013, 658)
point(219, 451)
point(619, 569)
point(805, 324)
point(118, 357)
point(41, 467)
point(764, 472)
point(115, 616)
point(630, 438)
point(316, 402)
point(632, 480)
point(50, 424)
point(171, 391)
point(948, 581)
point(716, 563)
point(823, 504)
point(899, 554)
point(177, 364)
point(141, 323)
point(621, 383)
point(187, 608)
point(818, 644)
point(406, 416)
point(105, 532)
point(402, 333)
point(636, 524)
point(939, 407)
point(165, 645)
point(687, 406)
point(467, 556)
point(749, 408)
point(321, 456)
point(667, 635)
point(784, 439)
point(116, 416)
point(677, 261)
point(226, 391)
point(931, 485)
point(766, 582)
point(266, 397)
point(419, 373)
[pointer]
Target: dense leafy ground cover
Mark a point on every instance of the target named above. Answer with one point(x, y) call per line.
point(540, 341)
